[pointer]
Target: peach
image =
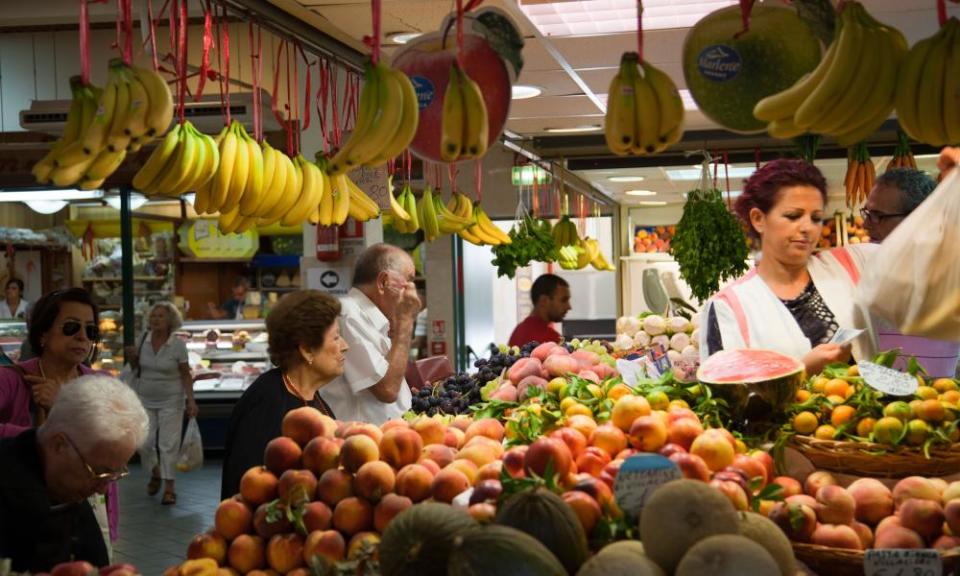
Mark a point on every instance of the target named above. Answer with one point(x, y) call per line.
point(766, 460)
point(461, 422)
point(528, 386)
point(357, 450)
point(608, 438)
point(207, 545)
point(491, 471)
point(874, 501)
point(524, 367)
point(897, 537)
point(486, 491)
point(414, 481)
point(558, 365)
point(753, 468)
point(627, 409)
point(372, 431)
point(733, 491)
point(496, 445)
point(691, 466)
point(609, 474)
point(327, 543)
point(454, 437)
point(887, 523)
point(388, 507)
point(258, 485)
point(798, 521)
point(489, 427)
point(599, 491)
point(585, 357)
point(285, 552)
point(803, 499)
point(543, 350)
point(925, 517)
point(431, 431)
point(395, 423)
point(400, 446)
point(430, 465)
point(791, 486)
point(267, 572)
point(575, 440)
point(333, 486)
point(483, 512)
point(952, 491)
point(439, 453)
point(946, 543)
point(586, 508)
point(914, 487)
point(548, 451)
point(362, 543)
point(668, 450)
point(233, 518)
point(582, 423)
point(940, 484)
point(479, 454)
point(683, 432)
point(714, 448)
point(836, 506)
point(836, 536)
point(247, 553)
point(82, 568)
point(952, 514)
point(353, 515)
point(864, 532)
point(321, 454)
point(513, 461)
point(593, 460)
point(306, 423)
point(374, 479)
point(816, 481)
point(469, 469)
point(448, 484)
point(648, 434)
point(317, 516)
point(271, 519)
point(282, 454)
point(297, 486)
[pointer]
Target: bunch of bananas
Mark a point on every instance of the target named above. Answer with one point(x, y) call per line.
point(344, 199)
point(403, 209)
point(851, 92)
point(184, 161)
point(465, 125)
point(482, 232)
point(928, 90)
point(386, 120)
point(237, 184)
point(436, 219)
point(565, 233)
point(584, 252)
point(644, 111)
point(134, 107)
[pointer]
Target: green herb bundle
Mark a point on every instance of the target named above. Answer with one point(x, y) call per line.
point(709, 244)
point(532, 242)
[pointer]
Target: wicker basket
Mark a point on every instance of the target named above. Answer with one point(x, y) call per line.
point(876, 460)
point(826, 561)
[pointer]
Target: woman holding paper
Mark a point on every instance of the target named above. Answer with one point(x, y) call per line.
point(793, 302)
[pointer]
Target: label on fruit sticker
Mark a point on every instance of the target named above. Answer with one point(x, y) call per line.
point(425, 90)
point(888, 380)
point(902, 562)
point(639, 476)
point(719, 63)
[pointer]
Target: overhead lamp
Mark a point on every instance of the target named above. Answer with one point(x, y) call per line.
point(136, 200)
point(640, 193)
point(695, 173)
point(46, 206)
point(67, 195)
point(402, 37)
point(524, 91)
point(652, 203)
point(574, 129)
point(626, 178)
point(587, 17)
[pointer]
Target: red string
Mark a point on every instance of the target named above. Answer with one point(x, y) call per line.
point(256, 75)
point(640, 29)
point(307, 91)
point(323, 97)
point(275, 96)
point(84, 43)
point(472, 4)
point(152, 39)
point(746, 6)
point(291, 143)
point(376, 10)
point(172, 34)
point(716, 170)
point(207, 45)
point(335, 108)
point(726, 175)
point(438, 182)
point(223, 60)
point(942, 12)
point(182, 60)
point(478, 179)
point(351, 101)
point(452, 176)
point(460, 33)
point(409, 163)
point(126, 11)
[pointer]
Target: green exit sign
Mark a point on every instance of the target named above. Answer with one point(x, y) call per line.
point(526, 175)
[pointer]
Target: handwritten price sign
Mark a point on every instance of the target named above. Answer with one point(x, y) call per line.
point(902, 562)
point(373, 181)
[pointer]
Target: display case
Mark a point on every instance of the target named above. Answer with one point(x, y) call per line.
point(12, 335)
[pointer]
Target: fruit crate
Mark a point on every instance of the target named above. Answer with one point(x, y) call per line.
point(872, 460)
point(842, 562)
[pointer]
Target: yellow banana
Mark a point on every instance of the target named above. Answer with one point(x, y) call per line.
point(410, 205)
point(384, 125)
point(785, 103)
point(369, 107)
point(161, 101)
point(253, 192)
point(951, 92)
point(241, 170)
point(489, 227)
point(204, 196)
point(849, 105)
point(311, 191)
point(619, 122)
point(931, 91)
point(669, 101)
point(289, 193)
point(136, 126)
point(105, 164)
point(358, 196)
point(220, 189)
point(646, 138)
point(181, 166)
point(144, 178)
point(477, 128)
point(409, 119)
point(453, 119)
point(429, 223)
point(784, 128)
point(229, 220)
point(117, 139)
point(341, 198)
point(909, 77)
point(395, 208)
point(95, 136)
point(71, 130)
point(271, 176)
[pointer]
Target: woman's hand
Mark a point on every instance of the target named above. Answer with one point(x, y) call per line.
point(949, 157)
point(192, 409)
point(824, 354)
point(44, 391)
point(131, 354)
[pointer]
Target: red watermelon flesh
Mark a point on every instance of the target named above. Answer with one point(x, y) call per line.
point(747, 366)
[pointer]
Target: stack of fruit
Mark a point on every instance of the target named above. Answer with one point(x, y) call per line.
point(577, 253)
point(653, 239)
point(644, 109)
point(829, 237)
point(856, 232)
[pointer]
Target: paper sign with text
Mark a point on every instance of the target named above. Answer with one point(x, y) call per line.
point(639, 476)
point(373, 181)
point(888, 380)
point(902, 562)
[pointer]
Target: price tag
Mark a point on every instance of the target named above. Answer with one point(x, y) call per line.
point(888, 380)
point(631, 371)
point(845, 335)
point(639, 476)
point(902, 562)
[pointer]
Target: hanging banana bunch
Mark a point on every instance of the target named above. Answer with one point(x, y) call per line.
point(644, 109)
point(465, 124)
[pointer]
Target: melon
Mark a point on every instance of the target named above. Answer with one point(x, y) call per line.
point(728, 74)
point(417, 542)
point(755, 383)
point(624, 558)
point(727, 555)
point(764, 532)
point(545, 516)
point(493, 550)
point(681, 513)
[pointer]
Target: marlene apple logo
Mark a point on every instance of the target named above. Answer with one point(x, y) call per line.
point(719, 63)
point(425, 90)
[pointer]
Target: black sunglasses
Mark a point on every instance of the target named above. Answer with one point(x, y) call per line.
point(72, 327)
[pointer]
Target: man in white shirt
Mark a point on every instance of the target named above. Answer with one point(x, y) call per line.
point(376, 319)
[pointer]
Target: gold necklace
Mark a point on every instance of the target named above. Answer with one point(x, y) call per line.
point(44, 375)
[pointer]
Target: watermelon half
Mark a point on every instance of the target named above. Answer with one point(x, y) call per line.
point(756, 384)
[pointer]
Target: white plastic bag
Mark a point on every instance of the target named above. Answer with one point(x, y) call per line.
point(191, 449)
point(913, 281)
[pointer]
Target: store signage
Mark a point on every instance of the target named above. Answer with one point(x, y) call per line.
point(425, 90)
point(888, 380)
point(438, 348)
point(439, 328)
point(902, 562)
point(334, 280)
point(203, 239)
point(374, 182)
point(719, 63)
point(639, 476)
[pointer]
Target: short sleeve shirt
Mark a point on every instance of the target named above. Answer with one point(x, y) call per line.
point(159, 383)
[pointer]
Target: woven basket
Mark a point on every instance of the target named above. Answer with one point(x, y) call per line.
point(877, 460)
point(827, 561)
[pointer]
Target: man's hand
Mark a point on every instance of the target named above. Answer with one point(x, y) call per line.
point(409, 305)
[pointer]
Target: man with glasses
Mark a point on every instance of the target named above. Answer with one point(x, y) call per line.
point(95, 425)
point(895, 195)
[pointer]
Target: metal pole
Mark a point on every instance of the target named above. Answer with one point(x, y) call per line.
point(460, 358)
point(126, 269)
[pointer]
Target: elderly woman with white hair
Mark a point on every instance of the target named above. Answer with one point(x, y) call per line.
point(162, 379)
point(93, 428)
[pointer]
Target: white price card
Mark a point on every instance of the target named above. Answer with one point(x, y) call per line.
point(631, 371)
point(902, 562)
point(639, 476)
point(888, 380)
point(845, 335)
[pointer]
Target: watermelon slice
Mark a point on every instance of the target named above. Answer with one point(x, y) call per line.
point(748, 366)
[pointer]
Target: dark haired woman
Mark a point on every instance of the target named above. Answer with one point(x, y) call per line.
point(15, 307)
point(793, 301)
point(306, 347)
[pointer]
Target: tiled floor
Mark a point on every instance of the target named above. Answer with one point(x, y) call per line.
point(154, 537)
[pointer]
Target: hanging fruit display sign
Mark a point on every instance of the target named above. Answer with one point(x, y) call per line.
point(204, 239)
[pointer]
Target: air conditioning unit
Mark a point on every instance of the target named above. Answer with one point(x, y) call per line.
point(49, 116)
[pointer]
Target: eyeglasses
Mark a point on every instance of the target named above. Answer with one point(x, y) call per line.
point(110, 476)
point(72, 327)
point(878, 217)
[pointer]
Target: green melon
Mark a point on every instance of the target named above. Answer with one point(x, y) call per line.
point(727, 76)
point(764, 532)
point(624, 558)
point(497, 550)
point(545, 516)
point(417, 542)
point(727, 555)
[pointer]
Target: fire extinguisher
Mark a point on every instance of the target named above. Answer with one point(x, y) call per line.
point(328, 243)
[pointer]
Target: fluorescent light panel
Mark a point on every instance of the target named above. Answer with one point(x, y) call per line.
point(626, 179)
point(598, 17)
point(46, 206)
point(695, 173)
point(30, 195)
point(640, 193)
point(574, 129)
point(524, 91)
point(652, 203)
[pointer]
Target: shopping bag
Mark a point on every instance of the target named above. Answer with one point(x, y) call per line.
point(913, 281)
point(191, 449)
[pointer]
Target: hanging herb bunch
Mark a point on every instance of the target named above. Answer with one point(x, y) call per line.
point(709, 244)
point(532, 242)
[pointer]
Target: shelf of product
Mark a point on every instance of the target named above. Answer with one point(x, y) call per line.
point(12, 335)
point(226, 356)
point(653, 239)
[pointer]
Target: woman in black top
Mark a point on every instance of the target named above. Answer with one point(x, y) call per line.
point(306, 347)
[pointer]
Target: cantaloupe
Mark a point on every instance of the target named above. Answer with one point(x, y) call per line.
point(417, 542)
point(497, 550)
point(764, 532)
point(727, 555)
point(624, 558)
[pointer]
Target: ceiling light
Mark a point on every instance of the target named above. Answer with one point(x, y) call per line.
point(697, 172)
point(653, 203)
point(574, 129)
point(524, 91)
point(68, 194)
point(402, 37)
point(640, 193)
point(588, 17)
point(46, 206)
point(688, 102)
point(136, 200)
point(626, 178)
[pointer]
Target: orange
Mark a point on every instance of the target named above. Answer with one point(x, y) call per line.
point(802, 395)
point(951, 396)
point(944, 385)
point(595, 391)
point(658, 400)
point(575, 409)
point(915, 407)
point(825, 432)
point(865, 427)
point(834, 399)
point(842, 414)
point(836, 387)
point(917, 432)
point(618, 391)
point(628, 409)
point(888, 430)
point(853, 370)
point(920, 380)
point(932, 411)
point(805, 422)
point(820, 384)
point(899, 410)
point(567, 402)
point(851, 390)
point(741, 446)
point(678, 404)
point(926, 392)
point(949, 411)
